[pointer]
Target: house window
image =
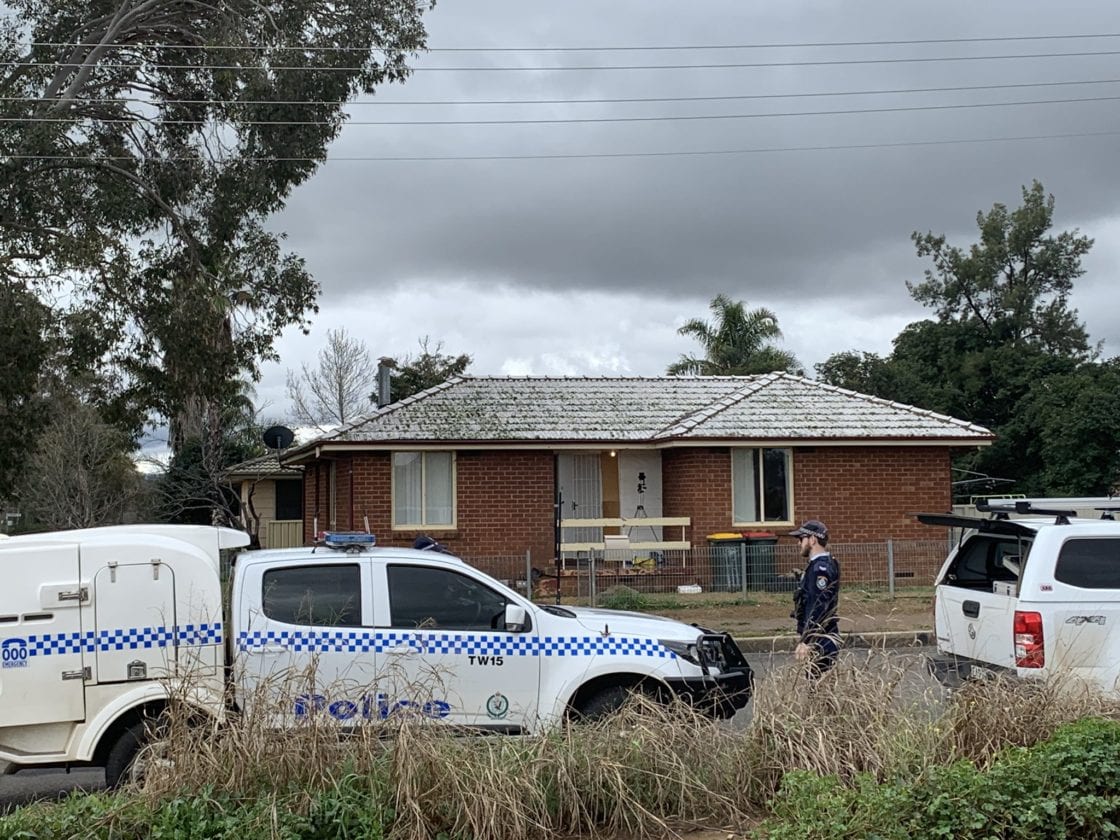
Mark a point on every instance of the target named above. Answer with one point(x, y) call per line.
point(760, 485)
point(289, 499)
point(423, 489)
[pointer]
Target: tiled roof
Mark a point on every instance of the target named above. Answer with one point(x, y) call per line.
point(651, 409)
point(265, 465)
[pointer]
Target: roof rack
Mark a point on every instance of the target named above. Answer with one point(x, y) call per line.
point(1107, 511)
point(1002, 507)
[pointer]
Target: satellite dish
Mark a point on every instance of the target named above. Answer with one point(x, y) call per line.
point(278, 437)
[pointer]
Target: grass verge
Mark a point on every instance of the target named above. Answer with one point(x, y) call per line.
point(868, 725)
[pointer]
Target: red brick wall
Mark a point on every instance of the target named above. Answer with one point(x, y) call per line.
point(697, 483)
point(505, 498)
point(504, 502)
point(864, 493)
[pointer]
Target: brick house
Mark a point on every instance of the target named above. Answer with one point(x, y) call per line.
point(270, 500)
point(480, 462)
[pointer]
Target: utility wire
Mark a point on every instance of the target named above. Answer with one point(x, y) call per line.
point(580, 120)
point(602, 101)
point(605, 48)
point(582, 68)
point(585, 156)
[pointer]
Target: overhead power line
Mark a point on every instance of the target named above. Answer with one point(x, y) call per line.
point(596, 101)
point(590, 155)
point(758, 45)
point(581, 68)
point(579, 120)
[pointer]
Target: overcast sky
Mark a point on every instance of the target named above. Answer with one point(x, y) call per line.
point(587, 265)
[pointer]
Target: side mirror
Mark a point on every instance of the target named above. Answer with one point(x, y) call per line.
point(517, 619)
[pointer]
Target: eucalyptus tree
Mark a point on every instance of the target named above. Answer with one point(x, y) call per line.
point(143, 145)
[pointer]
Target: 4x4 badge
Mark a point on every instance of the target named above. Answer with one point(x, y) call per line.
point(972, 631)
point(1086, 619)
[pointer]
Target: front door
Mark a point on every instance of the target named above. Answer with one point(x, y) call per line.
point(42, 644)
point(448, 655)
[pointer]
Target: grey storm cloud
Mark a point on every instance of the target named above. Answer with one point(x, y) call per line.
point(783, 224)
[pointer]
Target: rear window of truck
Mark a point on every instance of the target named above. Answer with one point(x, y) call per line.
point(1089, 563)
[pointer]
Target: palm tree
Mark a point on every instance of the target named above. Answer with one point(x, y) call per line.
point(736, 343)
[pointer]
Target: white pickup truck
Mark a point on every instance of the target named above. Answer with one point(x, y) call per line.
point(1031, 590)
point(98, 625)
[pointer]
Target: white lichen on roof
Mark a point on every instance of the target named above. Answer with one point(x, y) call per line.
point(776, 406)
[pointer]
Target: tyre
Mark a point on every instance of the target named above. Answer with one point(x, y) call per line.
point(605, 702)
point(122, 755)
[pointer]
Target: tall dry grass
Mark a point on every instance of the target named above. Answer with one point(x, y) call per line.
point(644, 772)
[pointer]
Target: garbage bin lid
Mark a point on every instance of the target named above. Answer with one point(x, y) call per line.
point(729, 535)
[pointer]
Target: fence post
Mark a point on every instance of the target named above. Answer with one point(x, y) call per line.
point(592, 589)
point(890, 568)
point(529, 574)
point(744, 564)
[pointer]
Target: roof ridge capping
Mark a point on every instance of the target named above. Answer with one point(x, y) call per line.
point(913, 409)
point(691, 421)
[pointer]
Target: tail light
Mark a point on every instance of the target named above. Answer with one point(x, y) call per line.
point(1029, 650)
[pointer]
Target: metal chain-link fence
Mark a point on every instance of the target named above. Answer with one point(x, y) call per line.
point(732, 566)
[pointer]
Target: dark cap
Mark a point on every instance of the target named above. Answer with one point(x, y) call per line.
point(812, 528)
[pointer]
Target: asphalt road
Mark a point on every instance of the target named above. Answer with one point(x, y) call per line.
point(28, 785)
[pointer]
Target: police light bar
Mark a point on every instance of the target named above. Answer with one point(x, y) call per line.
point(349, 540)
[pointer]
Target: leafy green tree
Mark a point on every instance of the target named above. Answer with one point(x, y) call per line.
point(1069, 425)
point(193, 488)
point(1013, 285)
point(1005, 341)
point(181, 125)
point(24, 350)
point(429, 368)
point(735, 343)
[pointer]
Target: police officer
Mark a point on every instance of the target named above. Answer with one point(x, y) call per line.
point(816, 600)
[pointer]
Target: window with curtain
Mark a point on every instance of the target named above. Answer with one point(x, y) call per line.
point(761, 482)
point(423, 489)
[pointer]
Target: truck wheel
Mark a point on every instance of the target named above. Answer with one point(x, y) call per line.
point(132, 756)
point(605, 702)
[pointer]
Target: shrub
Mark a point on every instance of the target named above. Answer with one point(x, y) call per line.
point(1068, 787)
point(623, 598)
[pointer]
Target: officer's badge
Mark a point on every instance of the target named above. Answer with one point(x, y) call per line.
point(822, 581)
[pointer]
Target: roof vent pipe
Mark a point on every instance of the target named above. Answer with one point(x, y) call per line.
point(385, 367)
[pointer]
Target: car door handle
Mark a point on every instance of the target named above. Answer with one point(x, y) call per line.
point(971, 609)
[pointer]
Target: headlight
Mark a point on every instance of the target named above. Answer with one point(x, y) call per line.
point(685, 650)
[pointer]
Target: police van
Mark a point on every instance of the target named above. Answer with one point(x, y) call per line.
point(1033, 590)
point(99, 627)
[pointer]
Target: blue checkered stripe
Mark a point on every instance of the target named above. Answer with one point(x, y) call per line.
point(134, 638)
point(462, 644)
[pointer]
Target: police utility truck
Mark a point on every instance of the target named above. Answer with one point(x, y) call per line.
point(100, 627)
point(1031, 590)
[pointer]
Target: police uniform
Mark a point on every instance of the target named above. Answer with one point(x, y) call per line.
point(816, 603)
point(819, 593)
